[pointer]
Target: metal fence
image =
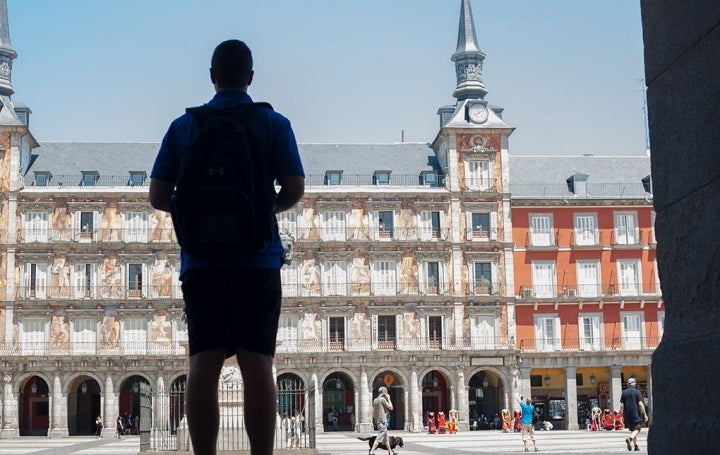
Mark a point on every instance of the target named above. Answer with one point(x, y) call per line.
point(167, 429)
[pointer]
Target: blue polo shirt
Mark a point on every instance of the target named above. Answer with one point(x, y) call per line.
point(275, 135)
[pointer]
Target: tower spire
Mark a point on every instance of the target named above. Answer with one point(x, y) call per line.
point(7, 54)
point(468, 58)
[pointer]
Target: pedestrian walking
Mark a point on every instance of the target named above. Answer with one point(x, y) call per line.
point(633, 411)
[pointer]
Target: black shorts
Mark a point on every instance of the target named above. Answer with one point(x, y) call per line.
point(232, 308)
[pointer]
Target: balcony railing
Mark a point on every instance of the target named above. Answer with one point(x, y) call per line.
point(346, 233)
point(98, 292)
point(149, 235)
point(589, 291)
point(370, 289)
point(395, 344)
point(66, 347)
point(627, 343)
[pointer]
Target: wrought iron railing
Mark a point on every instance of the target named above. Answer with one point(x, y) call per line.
point(66, 347)
point(395, 343)
point(625, 343)
point(589, 291)
point(98, 292)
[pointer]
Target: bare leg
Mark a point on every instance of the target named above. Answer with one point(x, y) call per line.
point(374, 446)
point(387, 444)
point(202, 400)
point(260, 412)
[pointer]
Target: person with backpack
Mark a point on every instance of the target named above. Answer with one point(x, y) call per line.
point(215, 172)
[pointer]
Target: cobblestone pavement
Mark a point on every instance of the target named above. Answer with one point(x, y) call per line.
point(346, 443)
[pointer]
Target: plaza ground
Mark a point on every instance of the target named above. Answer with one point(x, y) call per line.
point(346, 443)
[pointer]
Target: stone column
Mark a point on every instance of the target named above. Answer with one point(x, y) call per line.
point(58, 424)
point(615, 387)
point(317, 390)
point(571, 398)
point(524, 388)
point(416, 423)
point(364, 406)
point(463, 407)
point(681, 68)
point(10, 411)
point(111, 408)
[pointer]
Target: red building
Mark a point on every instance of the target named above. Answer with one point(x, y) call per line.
point(589, 311)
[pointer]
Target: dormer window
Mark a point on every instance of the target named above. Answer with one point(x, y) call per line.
point(381, 178)
point(647, 184)
point(429, 178)
point(90, 178)
point(42, 178)
point(137, 178)
point(577, 184)
point(333, 177)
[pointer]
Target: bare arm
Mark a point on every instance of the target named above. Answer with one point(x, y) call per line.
point(641, 405)
point(160, 194)
point(389, 405)
point(292, 189)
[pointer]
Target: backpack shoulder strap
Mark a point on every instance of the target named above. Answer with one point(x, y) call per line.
point(241, 111)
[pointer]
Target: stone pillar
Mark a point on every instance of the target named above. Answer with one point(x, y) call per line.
point(524, 388)
point(571, 398)
point(58, 424)
point(10, 411)
point(317, 390)
point(463, 407)
point(111, 408)
point(416, 423)
point(615, 387)
point(364, 406)
point(681, 68)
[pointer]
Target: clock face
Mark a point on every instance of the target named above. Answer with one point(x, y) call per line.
point(478, 113)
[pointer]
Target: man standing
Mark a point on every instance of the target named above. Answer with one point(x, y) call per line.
point(528, 429)
point(232, 306)
point(381, 406)
point(632, 409)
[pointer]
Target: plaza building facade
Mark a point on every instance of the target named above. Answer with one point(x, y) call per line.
point(410, 271)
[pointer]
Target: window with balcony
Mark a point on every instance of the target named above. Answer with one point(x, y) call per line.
point(544, 279)
point(289, 277)
point(484, 331)
point(33, 336)
point(541, 230)
point(84, 336)
point(478, 175)
point(86, 226)
point(435, 332)
point(136, 227)
point(35, 281)
point(586, 232)
point(479, 225)
point(588, 278)
point(482, 278)
point(134, 335)
point(383, 277)
point(432, 278)
point(36, 227)
point(333, 225)
point(385, 221)
point(626, 228)
point(334, 278)
point(84, 281)
point(629, 277)
point(135, 280)
point(590, 336)
point(287, 336)
point(287, 222)
point(632, 330)
point(336, 328)
point(547, 332)
point(386, 333)
point(430, 225)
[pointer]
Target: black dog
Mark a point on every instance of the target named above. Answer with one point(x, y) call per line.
point(395, 441)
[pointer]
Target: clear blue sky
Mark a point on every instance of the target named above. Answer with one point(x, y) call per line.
point(344, 71)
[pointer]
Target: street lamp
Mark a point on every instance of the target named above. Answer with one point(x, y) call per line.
point(83, 388)
point(136, 388)
point(592, 378)
point(547, 380)
point(33, 388)
point(485, 381)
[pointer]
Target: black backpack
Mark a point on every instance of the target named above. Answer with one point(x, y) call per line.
point(223, 205)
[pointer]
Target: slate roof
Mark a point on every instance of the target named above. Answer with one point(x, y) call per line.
point(530, 176)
